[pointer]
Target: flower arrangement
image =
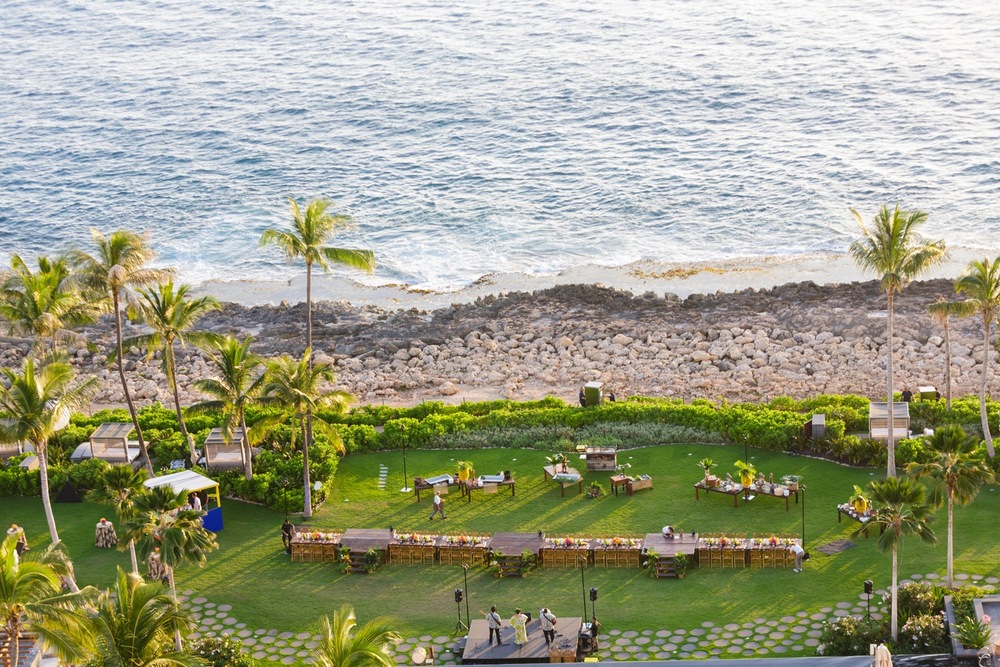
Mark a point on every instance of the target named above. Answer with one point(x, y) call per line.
point(415, 538)
point(567, 542)
point(464, 541)
point(722, 541)
point(619, 542)
point(317, 536)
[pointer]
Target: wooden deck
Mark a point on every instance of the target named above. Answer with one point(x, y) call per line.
point(363, 539)
point(479, 652)
point(682, 543)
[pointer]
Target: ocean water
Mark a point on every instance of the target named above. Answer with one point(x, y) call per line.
point(470, 137)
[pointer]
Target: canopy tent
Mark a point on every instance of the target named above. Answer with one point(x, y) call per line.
point(221, 453)
point(187, 481)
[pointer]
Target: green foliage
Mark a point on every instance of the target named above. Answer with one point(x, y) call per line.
point(923, 634)
point(973, 633)
point(222, 651)
point(920, 599)
point(961, 600)
point(851, 635)
point(18, 481)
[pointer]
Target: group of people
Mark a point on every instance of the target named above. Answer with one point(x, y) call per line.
point(519, 621)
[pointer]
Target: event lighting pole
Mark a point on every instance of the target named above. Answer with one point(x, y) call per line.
point(583, 585)
point(465, 574)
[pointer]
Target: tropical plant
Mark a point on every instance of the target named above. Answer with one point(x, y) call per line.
point(119, 264)
point(295, 387)
point(558, 461)
point(133, 625)
point(956, 475)
point(892, 249)
point(311, 230)
point(224, 651)
point(595, 490)
point(38, 402)
point(860, 500)
point(31, 600)
point(707, 464)
point(942, 311)
point(171, 314)
point(343, 644)
point(981, 285)
point(240, 383)
point(974, 633)
point(159, 522)
point(44, 304)
point(119, 487)
point(747, 471)
point(900, 511)
point(465, 470)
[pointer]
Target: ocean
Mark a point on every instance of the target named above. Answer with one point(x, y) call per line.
point(469, 138)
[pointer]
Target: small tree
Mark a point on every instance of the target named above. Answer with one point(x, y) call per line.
point(899, 511)
point(119, 487)
point(942, 311)
point(981, 284)
point(344, 644)
point(955, 475)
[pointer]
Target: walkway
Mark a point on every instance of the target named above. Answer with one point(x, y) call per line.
point(759, 638)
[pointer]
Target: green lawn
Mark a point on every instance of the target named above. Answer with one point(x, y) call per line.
point(251, 572)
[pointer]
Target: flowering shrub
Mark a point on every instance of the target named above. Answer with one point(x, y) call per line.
point(918, 599)
point(221, 652)
point(974, 633)
point(923, 634)
point(850, 635)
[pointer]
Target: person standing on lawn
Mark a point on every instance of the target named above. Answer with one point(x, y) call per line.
point(438, 506)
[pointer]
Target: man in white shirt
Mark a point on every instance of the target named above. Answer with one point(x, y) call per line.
point(438, 506)
point(799, 553)
point(548, 622)
point(493, 620)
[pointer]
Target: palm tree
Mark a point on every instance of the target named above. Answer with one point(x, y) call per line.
point(340, 646)
point(955, 475)
point(38, 403)
point(133, 626)
point(43, 304)
point(120, 264)
point(295, 386)
point(943, 311)
point(159, 523)
point(981, 284)
point(900, 511)
point(307, 238)
point(31, 599)
point(892, 249)
point(119, 487)
point(240, 383)
point(171, 315)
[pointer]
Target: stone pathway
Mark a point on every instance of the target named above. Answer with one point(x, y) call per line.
point(383, 475)
point(760, 637)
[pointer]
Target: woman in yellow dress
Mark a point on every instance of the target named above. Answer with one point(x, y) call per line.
point(520, 624)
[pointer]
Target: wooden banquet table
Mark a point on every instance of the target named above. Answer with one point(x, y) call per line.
point(566, 477)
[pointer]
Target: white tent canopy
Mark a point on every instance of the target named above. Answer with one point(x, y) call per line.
point(187, 481)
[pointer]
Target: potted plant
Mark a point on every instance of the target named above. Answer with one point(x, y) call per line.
point(557, 461)
point(652, 558)
point(707, 464)
point(595, 490)
point(859, 500)
point(465, 470)
point(747, 472)
point(792, 482)
point(372, 559)
point(681, 564)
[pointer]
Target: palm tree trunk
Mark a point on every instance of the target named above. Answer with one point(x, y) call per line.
point(951, 538)
point(891, 444)
point(128, 394)
point(173, 592)
point(43, 474)
point(13, 653)
point(307, 431)
point(947, 361)
point(306, 436)
point(982, 389)
point(171, 365)
point(135, 561)
point(247, 452)
point(894, 623)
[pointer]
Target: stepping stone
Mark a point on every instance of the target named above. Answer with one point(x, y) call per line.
point(769, 643)
point(267, 640)
point(697, 632)
point(647, 632)
point(287, 651)
point(798, 629)
point(743, 633)
point(622, 656)
point(707, 624)
point(819, 617)
point(815, 633)
point(632, 649)
point(442, 640)
point(199, 600)
point(244, 633)
point(659, 641)
point(303, 635)
point(699, 654)
point(614, 633)
point(798, 648)
point(780, 649)
point(260, 655)
point(777, 635)
point(621, 641)
point(753, 645)
point(844, 605)
point(640, 640)
point(734, 649)
point(763, 630)
point(663, 656)
point(736, 641)
point(677, 639)
point(400, 648)
point(641, 656)
point(286, 635)
point(728, 635)
point(992, 580)
point(689, 647)
point(683, 655)
point(426, 638)
point(841, 613)
point(721, 642)
point(917, 576)
point(288, 660)
point(977, 577)
point(663, 633)
point(670, 647)
point(811, 642)
point(932, 575)
point(217, 627)
point(629, 633)
point(241, 625)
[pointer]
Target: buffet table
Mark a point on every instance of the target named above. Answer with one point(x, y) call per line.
point(487, 484)
point(734, 490)
point(564, 475)
point(848, 510)
point(428, 484)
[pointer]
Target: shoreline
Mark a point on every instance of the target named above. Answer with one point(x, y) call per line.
point(681, 279)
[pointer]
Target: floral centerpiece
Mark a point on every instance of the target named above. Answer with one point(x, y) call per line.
point(567, 543)
point(722, 542)
point(318, 536)
point(415, 538)
point(463, 541)
point(619, 542)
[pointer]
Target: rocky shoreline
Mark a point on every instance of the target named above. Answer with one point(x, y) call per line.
point(798, 339)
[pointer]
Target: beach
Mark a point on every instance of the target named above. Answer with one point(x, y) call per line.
point(394, 346)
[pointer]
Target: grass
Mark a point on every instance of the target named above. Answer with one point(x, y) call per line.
point(251, 572)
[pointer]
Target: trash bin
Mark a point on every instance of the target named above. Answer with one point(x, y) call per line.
point(593, 393)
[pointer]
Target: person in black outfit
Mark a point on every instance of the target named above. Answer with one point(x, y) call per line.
point(907, 395)
point(287, 532)
point(583, 398)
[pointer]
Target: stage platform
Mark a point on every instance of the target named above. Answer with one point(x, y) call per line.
point(363, 539)
point(682, 543)
point(479, 652)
